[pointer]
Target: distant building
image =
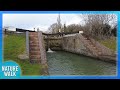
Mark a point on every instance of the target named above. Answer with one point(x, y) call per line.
point(9, 28)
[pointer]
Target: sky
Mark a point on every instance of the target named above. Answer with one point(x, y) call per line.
point(41, 21)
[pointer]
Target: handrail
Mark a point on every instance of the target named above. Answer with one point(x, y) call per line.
point(60, 33)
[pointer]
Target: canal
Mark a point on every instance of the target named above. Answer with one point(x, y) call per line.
point(65, 63)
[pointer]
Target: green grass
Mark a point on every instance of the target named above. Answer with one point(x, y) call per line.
point(14, 45)
point(110, 43)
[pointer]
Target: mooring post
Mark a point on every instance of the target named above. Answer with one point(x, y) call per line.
point(27, 42)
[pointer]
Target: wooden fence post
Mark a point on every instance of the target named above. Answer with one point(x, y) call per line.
point(27, 42)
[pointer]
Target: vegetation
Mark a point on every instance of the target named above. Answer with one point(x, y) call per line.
point(110, 43)
point(14, 45)
point(96, 26)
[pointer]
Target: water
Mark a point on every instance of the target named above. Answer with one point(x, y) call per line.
point(49, 50)
point(64, 63)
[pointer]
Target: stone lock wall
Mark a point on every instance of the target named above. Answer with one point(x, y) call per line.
point(78, 44)
point(104, 50)
point(54, 44)
point(75, 44)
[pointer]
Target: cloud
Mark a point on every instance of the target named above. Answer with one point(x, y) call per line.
point(74, 20)
point(42, 21)
point(28, 20)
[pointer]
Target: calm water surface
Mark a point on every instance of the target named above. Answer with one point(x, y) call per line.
point(64, 63)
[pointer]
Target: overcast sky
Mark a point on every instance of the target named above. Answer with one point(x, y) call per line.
point(43, 21)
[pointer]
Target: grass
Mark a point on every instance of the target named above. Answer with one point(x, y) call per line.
point(110, 43)
point(14, 45)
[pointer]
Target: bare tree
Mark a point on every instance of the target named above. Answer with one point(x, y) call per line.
point(53, 28)
point(56, 27)
point(95, 24)
point(73, 28)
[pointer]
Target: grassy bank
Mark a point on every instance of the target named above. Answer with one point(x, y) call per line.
point(14, 45)
point(110, 43)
